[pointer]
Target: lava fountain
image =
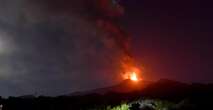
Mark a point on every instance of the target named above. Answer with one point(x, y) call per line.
point(132, 75)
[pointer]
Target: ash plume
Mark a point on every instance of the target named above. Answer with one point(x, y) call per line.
point(111, 9)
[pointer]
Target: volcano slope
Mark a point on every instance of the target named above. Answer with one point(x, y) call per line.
point(162, 93)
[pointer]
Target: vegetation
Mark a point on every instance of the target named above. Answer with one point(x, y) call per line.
point(142, 105)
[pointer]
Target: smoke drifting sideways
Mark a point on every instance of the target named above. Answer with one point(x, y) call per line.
point(61, 46)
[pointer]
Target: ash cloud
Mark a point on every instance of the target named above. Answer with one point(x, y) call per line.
point(60, 46)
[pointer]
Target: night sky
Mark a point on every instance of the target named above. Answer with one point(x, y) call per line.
point(172, 38)
point(55, 47)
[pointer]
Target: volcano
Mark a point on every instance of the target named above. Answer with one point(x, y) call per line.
point(126, 86)
point(160, 88)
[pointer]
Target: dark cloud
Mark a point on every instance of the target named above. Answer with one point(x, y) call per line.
point(55, 47)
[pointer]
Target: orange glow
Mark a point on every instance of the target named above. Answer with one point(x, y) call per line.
point(133, 76)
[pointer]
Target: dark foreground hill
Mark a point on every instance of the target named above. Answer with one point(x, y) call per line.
point(200, 95)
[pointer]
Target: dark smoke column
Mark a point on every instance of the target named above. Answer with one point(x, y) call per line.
point(110, 10)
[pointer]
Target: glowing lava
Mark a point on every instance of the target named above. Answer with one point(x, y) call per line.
point(133, 76)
